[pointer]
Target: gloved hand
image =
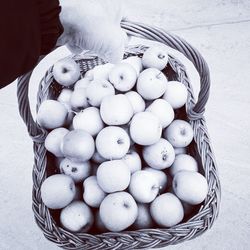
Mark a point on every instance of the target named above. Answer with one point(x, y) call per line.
point(93, 25)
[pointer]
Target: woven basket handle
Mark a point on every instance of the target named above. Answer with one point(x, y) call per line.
point(138, 30)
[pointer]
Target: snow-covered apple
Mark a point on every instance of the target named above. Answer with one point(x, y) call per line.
point(155, 57)
point(53, 141)
point(118, 211)
point(160, 155)
point(136, 101)
point(167, 210)
point(78, 145)
point(183, 162)
point(113, 176)
point(123, 76)
point(97, 90)
point(144, 186)
point(89, 120)
point(144, 219)
point(133, 161)
point(100, 72)
point(179, 133)
point(97, 158)
point(145, 128)
point(78, 171)
point(57, 191)
point(191, 187)
point(64, 97)
point(78, 99)
point(77, 217)
point(176, 94)
point(93, 195)
point(161, 176)
point(151, 84)
point(163, 110)
point(135, 62)
point(66, 71)
point(51, 114)
point(83, 83)
point(112, 142)
point(116, 110)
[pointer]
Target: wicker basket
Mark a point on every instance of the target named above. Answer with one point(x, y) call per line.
point(192, 226)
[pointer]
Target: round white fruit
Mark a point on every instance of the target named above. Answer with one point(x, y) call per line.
point(133, 161)
point(51, 114)
point(100, 72)
point(78, 171)
point(161, 176)
point(179, 133)
point(64, 97)
point(118, 211)
point(191, 187)
point(57, 191)
point(77, 217)
point(135, 62)
point(160, 155)
point(144, 186)
point(93, 195)
point(116, 110)
point(82, 83)
point(78, 99)
point(136, 101)
point(145, 128)
point(123, 76)
point(151, 84)
point(176, 94)
point(53, 141)
point(144, 219)
point(113, 176)
point(167, 210)
point(155, 57)
point(78, 145)
point(89, 120)
point(163, 110)
point(66, 71)
point(97, 90)
point(112, 143)
point(183, 162)
point(97, 158)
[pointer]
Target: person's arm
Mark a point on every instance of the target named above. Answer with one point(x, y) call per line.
point(28, 29)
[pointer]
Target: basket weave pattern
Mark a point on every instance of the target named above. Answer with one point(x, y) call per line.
point(145, 238)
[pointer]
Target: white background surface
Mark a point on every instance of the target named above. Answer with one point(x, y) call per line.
point(220, 30)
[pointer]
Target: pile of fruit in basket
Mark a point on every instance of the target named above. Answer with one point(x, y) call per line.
point(121, 152)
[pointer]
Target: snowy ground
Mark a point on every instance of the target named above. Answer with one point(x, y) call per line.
point(220, 30)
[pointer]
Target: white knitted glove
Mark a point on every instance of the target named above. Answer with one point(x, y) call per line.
point(93, 25)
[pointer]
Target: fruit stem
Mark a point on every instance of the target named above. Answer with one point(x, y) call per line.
point(156, 187)
point(161, 56)
point(164, 157)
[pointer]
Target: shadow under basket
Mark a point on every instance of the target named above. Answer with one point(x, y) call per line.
point(201, 217)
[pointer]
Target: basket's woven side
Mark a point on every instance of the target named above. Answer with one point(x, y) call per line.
point(146, 238)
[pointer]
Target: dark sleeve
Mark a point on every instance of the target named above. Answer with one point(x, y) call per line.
point(28, 29)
